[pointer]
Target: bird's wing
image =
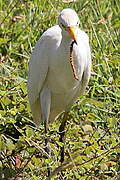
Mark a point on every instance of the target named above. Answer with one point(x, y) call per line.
point(40, 60)
point(86, 56)
point(87, 70)
point(38, 69)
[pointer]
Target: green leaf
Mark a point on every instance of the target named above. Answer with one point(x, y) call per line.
point(4, 40)
point(10, 146)
point(29, 132)
point(34, 177)
point(6, 101)
point(112, 121)
point(21, 107)
point(2, 144)
point(36, 161)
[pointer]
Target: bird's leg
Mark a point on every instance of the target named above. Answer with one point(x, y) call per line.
point(62, 134)
point(45, 102)
point(47, 148)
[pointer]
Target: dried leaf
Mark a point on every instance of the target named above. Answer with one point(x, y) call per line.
point(101, 21)
point(18, 161)
point(87, 128)
point(69, 1)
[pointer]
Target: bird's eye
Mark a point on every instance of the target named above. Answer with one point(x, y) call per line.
point(78, 23)
point(63, 26)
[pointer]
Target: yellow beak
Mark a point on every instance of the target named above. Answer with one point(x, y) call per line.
point(71, 31)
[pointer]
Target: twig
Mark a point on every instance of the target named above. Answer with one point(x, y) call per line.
point(32, 143)
point(69, 164)
point(70, 1)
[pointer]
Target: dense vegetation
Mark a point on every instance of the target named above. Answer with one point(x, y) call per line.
point(92, 149)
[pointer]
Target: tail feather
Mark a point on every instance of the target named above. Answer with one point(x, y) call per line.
point(36, 112)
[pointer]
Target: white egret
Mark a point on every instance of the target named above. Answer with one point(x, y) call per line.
point(59, 70)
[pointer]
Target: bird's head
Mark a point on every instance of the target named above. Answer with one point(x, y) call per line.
point(68, 21)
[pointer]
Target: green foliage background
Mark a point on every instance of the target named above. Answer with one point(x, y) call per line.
point(92, 149)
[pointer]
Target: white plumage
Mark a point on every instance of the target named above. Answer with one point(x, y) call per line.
point(52, 87)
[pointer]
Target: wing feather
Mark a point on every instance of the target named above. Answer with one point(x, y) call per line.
point(38, 69)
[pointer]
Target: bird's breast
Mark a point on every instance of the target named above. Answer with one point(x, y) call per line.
point(61, 77)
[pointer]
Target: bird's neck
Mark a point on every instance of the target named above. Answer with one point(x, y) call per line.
point(66, 41)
